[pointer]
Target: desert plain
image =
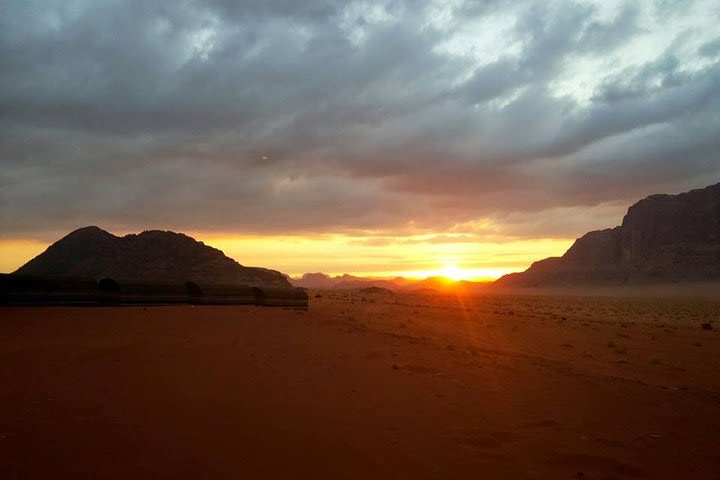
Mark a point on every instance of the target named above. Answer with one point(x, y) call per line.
point(365, 385)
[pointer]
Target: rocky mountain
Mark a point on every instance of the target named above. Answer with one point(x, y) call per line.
point(151, 256)
point(315, 280)
point(341, 282)
point(397, 284)
point(662, 238)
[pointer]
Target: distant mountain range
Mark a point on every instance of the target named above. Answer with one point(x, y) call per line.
point(398, 284)
point(341, 282)
point(151, 256)
point(662, 239)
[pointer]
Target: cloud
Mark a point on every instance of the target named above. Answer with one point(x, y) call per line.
point(710, 48)
point(295, 117)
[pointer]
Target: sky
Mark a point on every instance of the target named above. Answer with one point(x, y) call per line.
point(367, 137)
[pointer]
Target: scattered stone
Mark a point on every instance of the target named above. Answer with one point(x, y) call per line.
point(706, 326)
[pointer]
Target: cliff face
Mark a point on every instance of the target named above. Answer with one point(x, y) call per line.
point(663, 238)
point(680, 232)
point(598, 248)
point(152, 256)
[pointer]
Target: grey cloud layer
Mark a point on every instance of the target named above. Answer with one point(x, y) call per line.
point(285, 116)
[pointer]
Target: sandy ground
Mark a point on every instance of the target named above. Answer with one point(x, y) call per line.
point(364, 386)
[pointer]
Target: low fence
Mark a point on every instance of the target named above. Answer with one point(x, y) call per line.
point(31, 290)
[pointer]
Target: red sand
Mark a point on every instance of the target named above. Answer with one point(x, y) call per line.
point(363, 387)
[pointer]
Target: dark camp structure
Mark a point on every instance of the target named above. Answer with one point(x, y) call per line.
point(282, 297)
point(33, 290)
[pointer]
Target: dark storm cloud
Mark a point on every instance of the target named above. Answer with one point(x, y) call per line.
point(711, 48)
point(285, 116)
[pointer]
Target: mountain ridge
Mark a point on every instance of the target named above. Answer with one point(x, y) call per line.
point(149, 256)
point(662, 238)
point(324, 281)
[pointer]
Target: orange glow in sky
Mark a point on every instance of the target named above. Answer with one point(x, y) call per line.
point(414, 256)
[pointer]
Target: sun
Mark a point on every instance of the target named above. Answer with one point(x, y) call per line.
point(453, 272)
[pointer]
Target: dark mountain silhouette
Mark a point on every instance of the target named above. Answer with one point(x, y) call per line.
point(397, 284)
point(151, 256)
point(662, 238)
point(341, 282)
point(315, 280)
